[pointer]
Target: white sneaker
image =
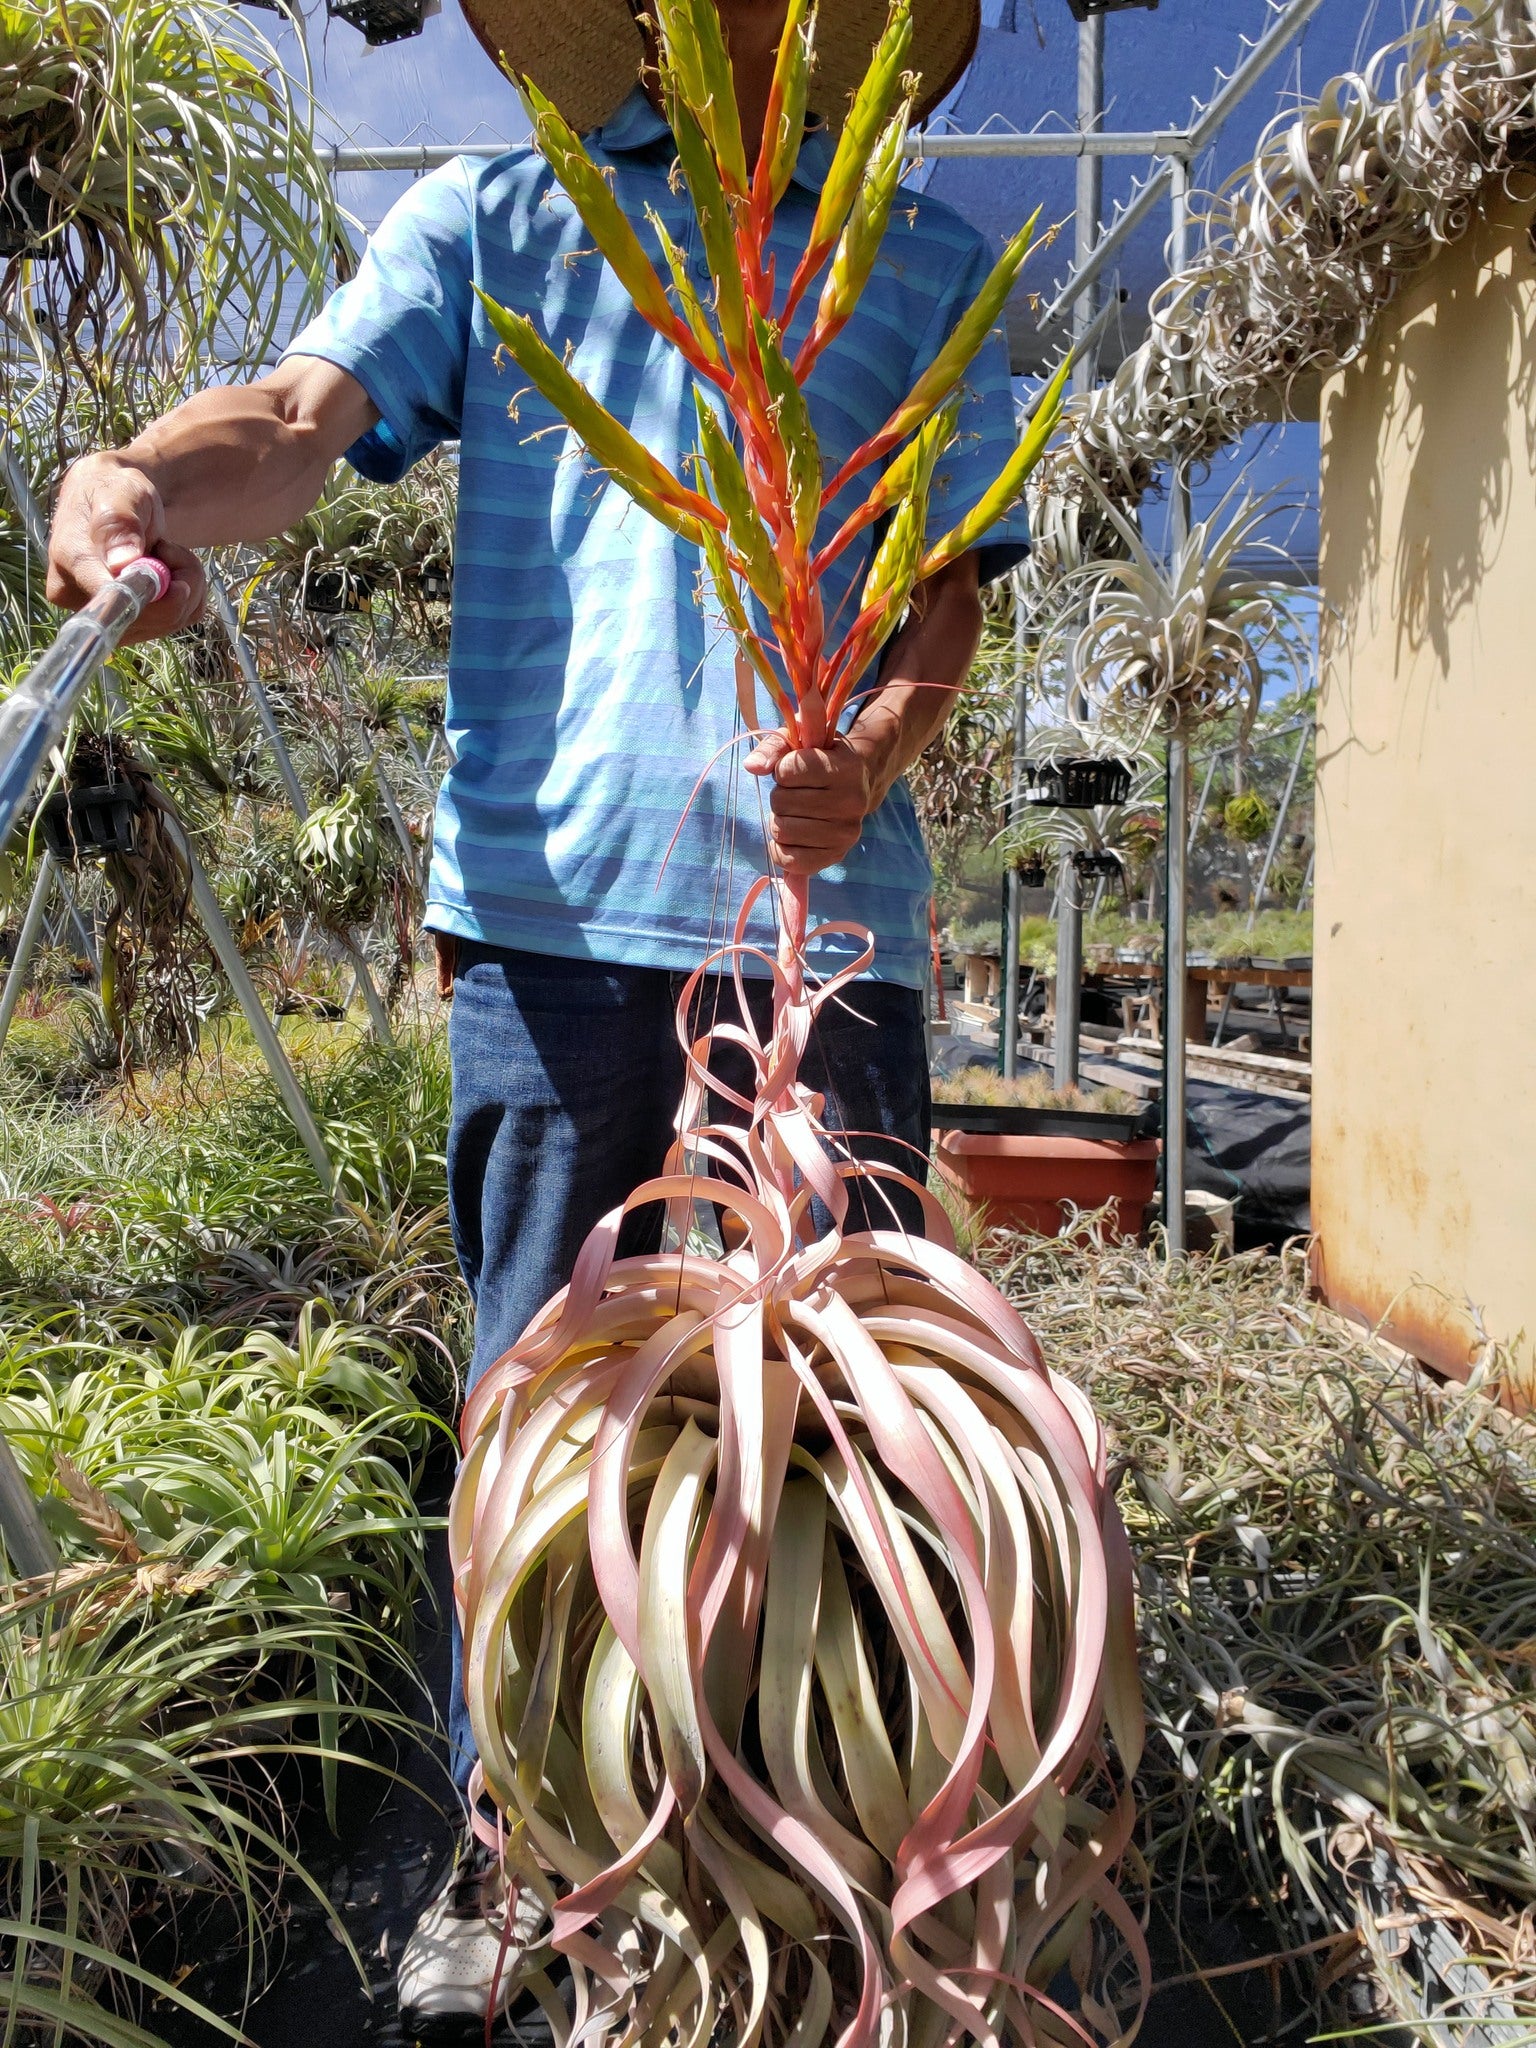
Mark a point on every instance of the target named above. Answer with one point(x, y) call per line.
point(449, 1970)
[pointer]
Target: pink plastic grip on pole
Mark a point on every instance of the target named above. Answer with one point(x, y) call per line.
point(148, 564)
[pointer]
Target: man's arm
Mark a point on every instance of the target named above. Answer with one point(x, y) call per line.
point(238, 463)
point(822, 795)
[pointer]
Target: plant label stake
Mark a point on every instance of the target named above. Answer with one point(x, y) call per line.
point(36, 711)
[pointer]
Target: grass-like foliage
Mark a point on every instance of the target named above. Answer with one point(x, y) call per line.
point(797, 1610)
point(241, 1552)
point(1337, 1571)
point(982, 1086)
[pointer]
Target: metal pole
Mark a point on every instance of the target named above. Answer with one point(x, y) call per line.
point(1090, 200)
point(1176, 913)
point(289, 776)
point(263, 1030)
point(1205, 794)
point(26, 944)
point(1280, 818)
point(1008, 1022)
point(1069, 975)
point(395, 814)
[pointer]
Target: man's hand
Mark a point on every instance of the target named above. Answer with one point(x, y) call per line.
point(821, 797)
point(238, 463)
point(109, 513)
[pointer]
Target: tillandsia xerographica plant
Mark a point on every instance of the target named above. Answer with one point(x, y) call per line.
point(797, 1611)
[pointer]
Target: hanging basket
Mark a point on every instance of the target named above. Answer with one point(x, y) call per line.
point(89, 824)
point(1079, 783)
point(1109, 865)
point(434, 584)
point(380, 21)
point(1031, 871)
point(327, 593)
point(1085, 10)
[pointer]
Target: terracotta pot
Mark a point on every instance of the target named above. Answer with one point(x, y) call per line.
point(1022, 1182)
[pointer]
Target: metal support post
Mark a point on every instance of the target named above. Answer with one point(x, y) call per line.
point(288, 775)
point(1008, 1022)
point(26, 944)
point(1090, 204)
point(1205, 795)
point(392, 809)
point(1280, 817)
point(1069, 975)
point(263, 1030)
point(1176, 913)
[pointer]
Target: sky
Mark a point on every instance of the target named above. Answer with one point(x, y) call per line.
point(1160, 67)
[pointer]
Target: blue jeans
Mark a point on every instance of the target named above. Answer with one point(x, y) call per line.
point(566, 1077)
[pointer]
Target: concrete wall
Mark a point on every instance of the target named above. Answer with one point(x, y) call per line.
point(1424, 1168)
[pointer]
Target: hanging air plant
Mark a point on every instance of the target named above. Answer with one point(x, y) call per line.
point(1171, 646)
point(341, 855)
point(1248, 817)
point(796, 1606)
point(1345, 199)
point(161, 196)
point(153, 956)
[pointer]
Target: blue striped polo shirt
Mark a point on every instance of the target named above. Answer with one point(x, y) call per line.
point(591, 698)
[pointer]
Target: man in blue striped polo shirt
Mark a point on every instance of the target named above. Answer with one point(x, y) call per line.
point(591, 700)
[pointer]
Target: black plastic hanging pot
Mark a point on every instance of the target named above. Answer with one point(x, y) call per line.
point(1078, 783)
point(1031, 871)
point(1091, 865)
point(434, 584)
point(380, 21)
point(89, 824)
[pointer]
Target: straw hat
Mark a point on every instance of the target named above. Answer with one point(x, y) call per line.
point(585, 54)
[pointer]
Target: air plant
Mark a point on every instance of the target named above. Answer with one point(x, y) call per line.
point(340, 852)
point(162, 200)
point(240, 1556)
point(1168, 647)
point(1247, 816)
point(795, 1602)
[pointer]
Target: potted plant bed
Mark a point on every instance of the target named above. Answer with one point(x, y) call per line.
point(1020, 1152)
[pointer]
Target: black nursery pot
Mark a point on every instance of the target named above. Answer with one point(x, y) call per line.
point(435, 585)
point(380, 21)
point(90, 824)
point(330, 592)
point(1078, 783)
point(1094, 864)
